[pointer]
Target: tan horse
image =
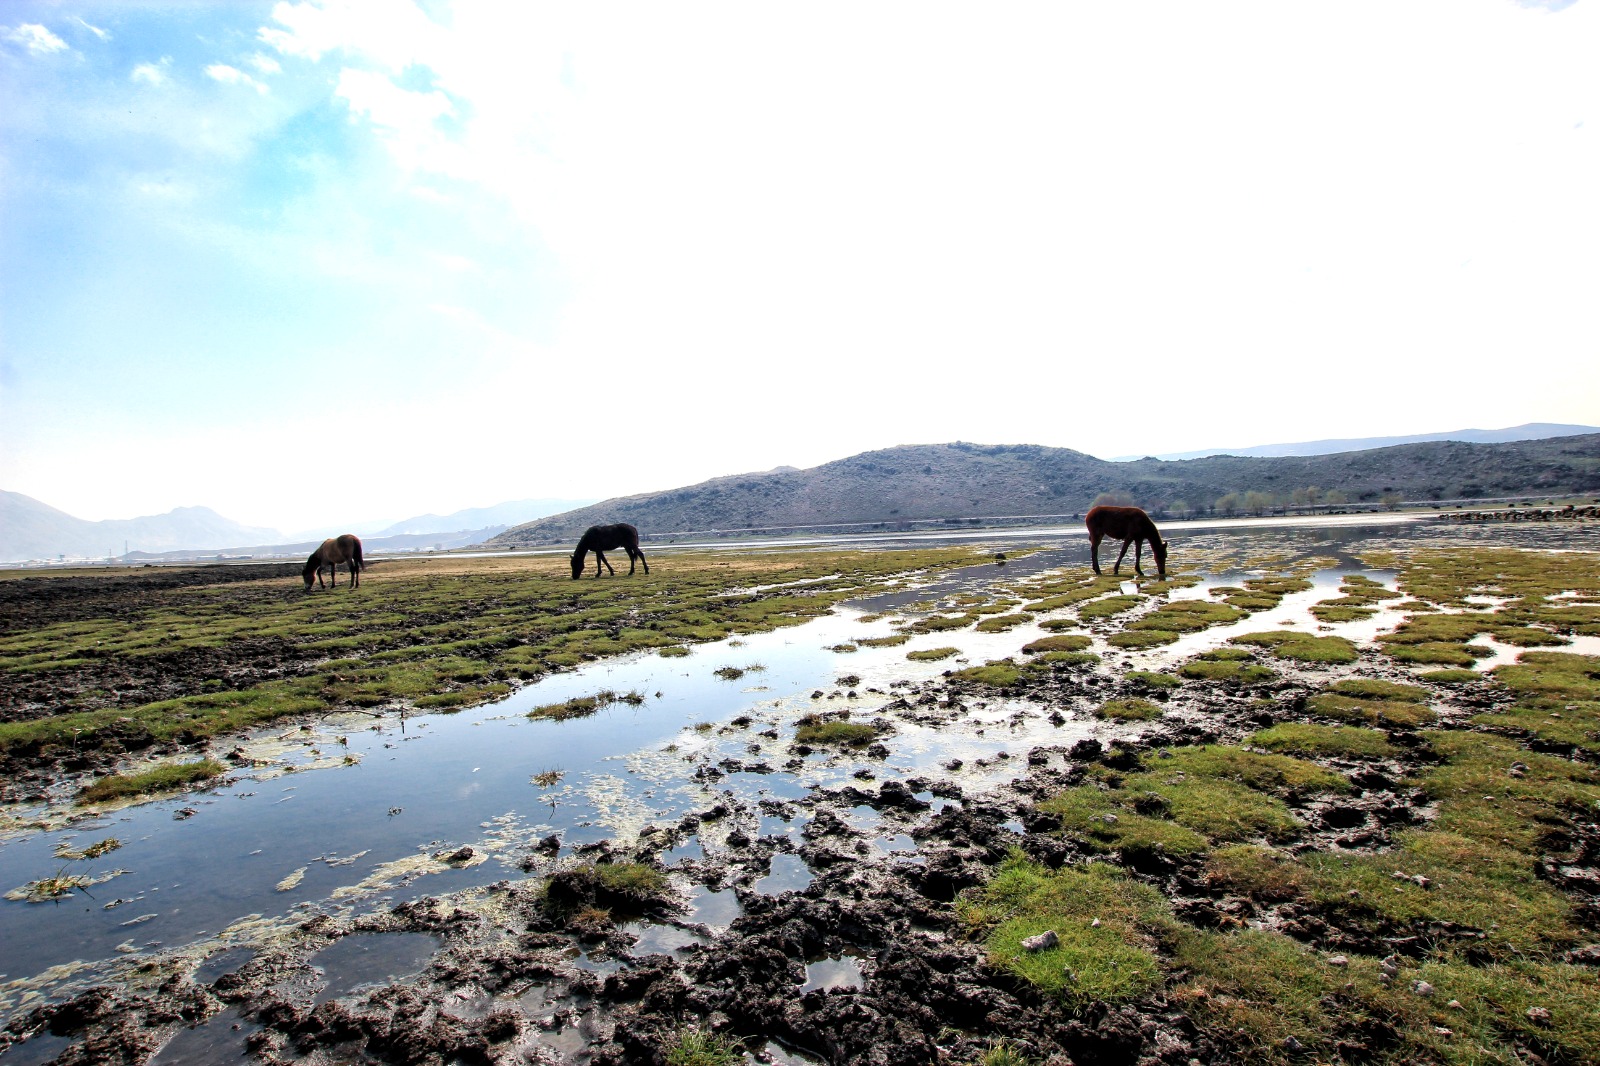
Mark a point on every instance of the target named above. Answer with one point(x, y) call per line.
point(345, 548)
point(1131, 526)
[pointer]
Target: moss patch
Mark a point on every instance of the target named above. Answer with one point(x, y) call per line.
point(1108, 930)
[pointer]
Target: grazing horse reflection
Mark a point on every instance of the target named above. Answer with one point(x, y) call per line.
point(601, 539)
point(345, 548)
point(1131, 526)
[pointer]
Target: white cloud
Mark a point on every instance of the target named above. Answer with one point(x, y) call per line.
point(233, 76)
point(153, 73)
point(405, 119)
point(391, 33)
point(96, 30)
point(35, 38)
point(265, 64)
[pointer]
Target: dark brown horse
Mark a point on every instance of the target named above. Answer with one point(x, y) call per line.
point(601, 539)
point(345, 548)
point(1131, 526)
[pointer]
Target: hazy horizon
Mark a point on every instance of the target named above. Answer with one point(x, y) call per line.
point(369, 526)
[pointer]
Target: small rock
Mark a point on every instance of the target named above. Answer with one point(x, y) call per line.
point(1422, 988)
point(1339, 960)
point(1291, 1044)
point(1455, 1004)
point(1422, 881)
point(1109, 819)
point(1390, 965)
point(1043, 942)
point(184, 812)
point(1539, 1015)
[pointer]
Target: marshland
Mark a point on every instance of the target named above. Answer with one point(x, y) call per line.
point(1327, 793)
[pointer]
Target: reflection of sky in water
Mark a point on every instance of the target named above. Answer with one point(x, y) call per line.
point(789, 874)
point(365, 960)
point(656, 939)
point(215, 1040)
point(826, 974)
point(438, 782)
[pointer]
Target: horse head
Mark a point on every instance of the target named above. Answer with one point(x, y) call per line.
point(577, 565)
point(1158, 548)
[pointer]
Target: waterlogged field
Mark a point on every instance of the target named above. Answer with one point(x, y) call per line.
point(1321, 796)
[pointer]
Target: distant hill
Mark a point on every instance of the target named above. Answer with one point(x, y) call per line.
point(33, 530)
point(964, 481)
point(1529, 431)
point(511, 513)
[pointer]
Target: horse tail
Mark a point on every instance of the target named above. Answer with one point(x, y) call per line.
point(355, 555)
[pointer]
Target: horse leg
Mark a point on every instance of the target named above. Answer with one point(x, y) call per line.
point(631, 560)
point(1117, 570)
point(1138, 548)
point(601, 556)
point(645, 561)
point(1094, 551)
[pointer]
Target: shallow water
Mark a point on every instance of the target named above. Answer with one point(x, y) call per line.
point(269, 848)
point(831, 973)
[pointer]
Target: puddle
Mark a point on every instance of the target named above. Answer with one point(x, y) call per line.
point(37, 1050)
point(780, 827)
point(894, 845)
point(779, 1055)
point(789, 874)
point(828, 974)
point(655, 939)
point(603, 965)
point(715, 910)
point(369, 960)
point(219, 1040)
point(689, 849)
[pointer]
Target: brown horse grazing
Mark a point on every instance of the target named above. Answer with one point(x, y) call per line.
point(1131, 526)
point(345, 548)
point(601, 539)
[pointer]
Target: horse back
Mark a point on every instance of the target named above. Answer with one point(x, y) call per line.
point(1122, 523)
point(347, 549)
point(605, 538)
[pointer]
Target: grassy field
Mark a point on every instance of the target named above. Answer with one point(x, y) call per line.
point(417, 635)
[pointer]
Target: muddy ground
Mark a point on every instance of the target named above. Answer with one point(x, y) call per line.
point(513, 980)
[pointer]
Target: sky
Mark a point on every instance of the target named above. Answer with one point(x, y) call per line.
point(340, 260)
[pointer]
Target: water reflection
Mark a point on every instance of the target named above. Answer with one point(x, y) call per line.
point(368, 960)
point(218, 1040)
point(789, 874)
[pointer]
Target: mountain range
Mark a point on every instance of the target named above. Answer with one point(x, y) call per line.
point(1528, 431)
point(961, 482)
point(30, 529)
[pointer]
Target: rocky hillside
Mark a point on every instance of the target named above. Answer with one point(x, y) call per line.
point(964, 481)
